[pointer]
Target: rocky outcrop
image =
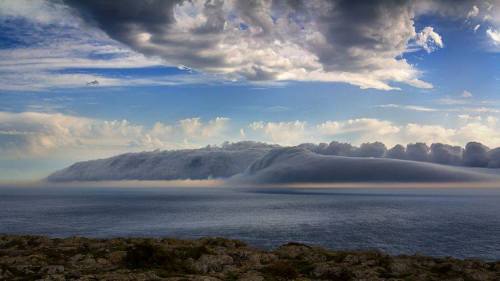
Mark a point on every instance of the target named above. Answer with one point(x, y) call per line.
point(211, 259)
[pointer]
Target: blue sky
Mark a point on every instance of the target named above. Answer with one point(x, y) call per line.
point(74, 87)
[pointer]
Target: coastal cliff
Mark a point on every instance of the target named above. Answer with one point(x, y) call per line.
point(211, 259)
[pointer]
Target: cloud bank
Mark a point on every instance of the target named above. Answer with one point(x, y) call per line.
point(259, 162)
point(195, 164)
point(295, 165)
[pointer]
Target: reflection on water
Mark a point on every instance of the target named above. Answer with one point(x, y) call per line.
point(441, 222)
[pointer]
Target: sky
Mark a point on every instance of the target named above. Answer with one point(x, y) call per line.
point(89, 79)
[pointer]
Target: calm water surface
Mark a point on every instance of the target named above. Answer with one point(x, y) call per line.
point(439, 222)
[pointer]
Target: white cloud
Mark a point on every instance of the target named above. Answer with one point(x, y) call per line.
point(429, 40)
point(473, 12)
point(41, 11)
point(469, 118)
point(286, 133)
point(427, 133)
point(494, 35)
point(50, 66)
point(65, 54)
point(408, 107)
point(452, 101)
point(57, 45)
point(363, 126)
point(474, 106)
point(36, 134)
point(193, 127)
point(33, 134)
point(280, 41)
point(466, 94)
point(360, 130)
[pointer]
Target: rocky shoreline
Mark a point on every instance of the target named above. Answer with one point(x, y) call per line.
point(211, 259)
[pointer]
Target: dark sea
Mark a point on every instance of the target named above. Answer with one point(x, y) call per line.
point(461, 222)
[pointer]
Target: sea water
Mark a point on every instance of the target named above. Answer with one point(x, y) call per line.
point(462, 222)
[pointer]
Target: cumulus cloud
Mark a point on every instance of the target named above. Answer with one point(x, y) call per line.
point(445, 154)
point(251, 40)
point(30, 133)
point(287, 133)
point(396, 152)
point(473, 12)
point(361, 126)
point(466, 94)
point(476, 155)
point(468, 127)
point(429, 40)
point(375, 149)
point(52, 48)
point(33, 134)
point(417, 151)
point(271, 40)
point(494, 158)
point(428, 133)
point(494, 35)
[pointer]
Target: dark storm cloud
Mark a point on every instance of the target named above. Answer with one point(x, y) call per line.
point(380, 28)
point(446, 154)
point(120, 18)
point(494, 158)
point(396, 152)
point(364, 40)
point(134, 22)
point(373, 149)
point(476, 155)
point(417, 151)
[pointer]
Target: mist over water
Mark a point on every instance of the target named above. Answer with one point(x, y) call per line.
point(460, 222)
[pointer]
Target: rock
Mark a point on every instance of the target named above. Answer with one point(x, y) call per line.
point(399, 267)
point(22, 257)
point(53, 269)
point(5, 274)
point(293, 250)
point(55, 277)
point(251, 276)
point(76, 258)
point(117, 257)
point(102, 261)
point(212, 263)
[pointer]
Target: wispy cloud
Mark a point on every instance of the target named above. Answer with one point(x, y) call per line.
point(408, 107)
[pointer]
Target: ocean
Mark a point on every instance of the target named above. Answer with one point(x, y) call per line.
point(462, 222)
